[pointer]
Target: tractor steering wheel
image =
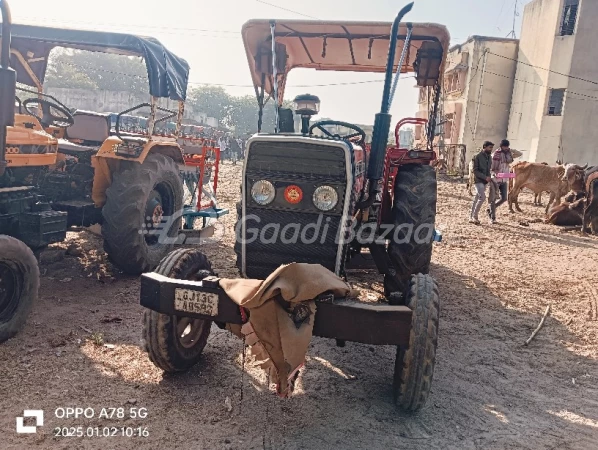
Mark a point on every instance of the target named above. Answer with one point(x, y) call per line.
point(322, 124)
point(53, 114)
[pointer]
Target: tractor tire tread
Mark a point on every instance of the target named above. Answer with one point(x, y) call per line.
point(16, 253)
point(125, 208)
point(417, 365)
point(415, 198)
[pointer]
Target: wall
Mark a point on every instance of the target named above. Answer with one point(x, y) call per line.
point(99, 101)
point(530, 129)
point(481, 106)
point(489, 99)
point(580, 133)
point(572, 136)
point(117, 101)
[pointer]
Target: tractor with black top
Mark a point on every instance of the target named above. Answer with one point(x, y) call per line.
point(322, 195)
point(27, 222)
point(139, 184)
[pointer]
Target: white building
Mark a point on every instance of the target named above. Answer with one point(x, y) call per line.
point(478, 85)
point(554, 109)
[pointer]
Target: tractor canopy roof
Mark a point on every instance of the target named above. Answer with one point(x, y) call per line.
point(341, 46)
point(167, 73)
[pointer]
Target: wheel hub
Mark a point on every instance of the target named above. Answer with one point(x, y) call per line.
point(157, 215)
point(189, 331)
point(154, 213)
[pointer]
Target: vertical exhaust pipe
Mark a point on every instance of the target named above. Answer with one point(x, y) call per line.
point(8, 83)
point(382, 121)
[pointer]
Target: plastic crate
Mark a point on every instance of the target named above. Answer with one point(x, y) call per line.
point(38, 229)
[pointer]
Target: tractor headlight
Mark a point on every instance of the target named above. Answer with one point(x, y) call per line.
point(263, 192)
point(325, 198)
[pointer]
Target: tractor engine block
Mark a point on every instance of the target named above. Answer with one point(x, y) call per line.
point(73, 181)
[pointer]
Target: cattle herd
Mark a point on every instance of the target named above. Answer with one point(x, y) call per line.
point(576, 185)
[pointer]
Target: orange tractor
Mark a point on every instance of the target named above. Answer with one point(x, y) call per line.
point(59, 167)
point(138, 182)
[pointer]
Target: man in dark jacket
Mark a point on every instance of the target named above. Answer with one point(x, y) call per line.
point(482, 163)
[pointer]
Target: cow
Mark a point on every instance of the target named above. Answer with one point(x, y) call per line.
point(537, 195)
point(573, 196)
point(539, 178)
point(589, 171)
point(576, 176)
point(570, 212)
point(590, 214)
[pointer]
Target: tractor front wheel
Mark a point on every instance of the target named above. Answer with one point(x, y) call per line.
point(140, 215)
point(175, 344)
point(414, 366)
point(414, 215)
point(19, 285)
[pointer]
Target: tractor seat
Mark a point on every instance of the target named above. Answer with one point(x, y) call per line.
point(70, 148)
point(89, 127)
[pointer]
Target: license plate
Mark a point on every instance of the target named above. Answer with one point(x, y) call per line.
point(205, 303)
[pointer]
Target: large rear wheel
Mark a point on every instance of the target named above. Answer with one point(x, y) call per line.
point(19, 285)
point(414, 216)
point(140, 207)
point(414, 366)
point(175, 344)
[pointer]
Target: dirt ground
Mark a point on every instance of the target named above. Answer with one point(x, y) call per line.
point(82, 348)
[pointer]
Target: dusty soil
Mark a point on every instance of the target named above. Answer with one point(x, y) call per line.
point(81, 348)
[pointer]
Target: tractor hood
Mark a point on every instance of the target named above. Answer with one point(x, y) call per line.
point(167, 73)
point(340, 46)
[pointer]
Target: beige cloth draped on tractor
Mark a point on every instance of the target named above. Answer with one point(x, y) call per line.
point(281, 316)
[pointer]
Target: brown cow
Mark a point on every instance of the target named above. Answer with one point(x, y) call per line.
point(539, 178)
point(570, 212)
point(537, 195)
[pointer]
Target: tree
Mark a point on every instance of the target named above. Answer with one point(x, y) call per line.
point(245, 112)
point(244, 115)
point(78, 69)
point(238, 113)
point(212, 100)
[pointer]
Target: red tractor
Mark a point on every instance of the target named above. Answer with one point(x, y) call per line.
point(323, 196)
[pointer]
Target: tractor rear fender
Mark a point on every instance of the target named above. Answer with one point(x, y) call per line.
point(106, 162)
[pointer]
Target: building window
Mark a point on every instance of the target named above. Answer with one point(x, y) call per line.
point(453, 83)
point(569, 17)
point(555, 102)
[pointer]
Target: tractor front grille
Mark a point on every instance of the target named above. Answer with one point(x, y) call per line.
point(282, 233)
point(274, 246)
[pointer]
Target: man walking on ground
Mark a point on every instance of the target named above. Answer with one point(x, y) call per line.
point(235, 150)
point(501, 163)
point(481, 169)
